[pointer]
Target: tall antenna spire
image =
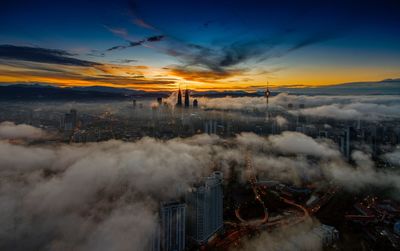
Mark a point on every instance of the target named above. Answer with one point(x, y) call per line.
point(267, 93)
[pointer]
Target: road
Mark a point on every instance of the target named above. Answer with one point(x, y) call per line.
point(253, 182)
point(245, 228)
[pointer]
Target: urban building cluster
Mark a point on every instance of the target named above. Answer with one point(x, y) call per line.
point(378, 220)
point(218, 213)
point(193, 220)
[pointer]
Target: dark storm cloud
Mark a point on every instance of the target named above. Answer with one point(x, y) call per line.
point(41, 55)
point(137, 43)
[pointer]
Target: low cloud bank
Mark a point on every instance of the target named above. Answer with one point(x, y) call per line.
point(105, 196)
point(337, 107)
point(100, 196)
point(9, 130)
point(394, 157)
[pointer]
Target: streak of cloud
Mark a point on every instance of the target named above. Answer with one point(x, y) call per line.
point(41, 55)
point(137, 43)
point(141, 23)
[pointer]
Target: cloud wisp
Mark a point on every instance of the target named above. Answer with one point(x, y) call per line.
point(9, 130)
point(151, 39)
point(42, 55)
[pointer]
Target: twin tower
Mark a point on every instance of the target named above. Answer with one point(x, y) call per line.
point(187, 99)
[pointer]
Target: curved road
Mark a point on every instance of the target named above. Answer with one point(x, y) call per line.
point(253, 181)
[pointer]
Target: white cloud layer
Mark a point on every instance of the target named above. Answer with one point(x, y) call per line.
point(9, 130)
point(368, 107)
point(104, 196)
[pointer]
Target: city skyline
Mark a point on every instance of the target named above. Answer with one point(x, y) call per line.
point(235, 45)
point(200, 125)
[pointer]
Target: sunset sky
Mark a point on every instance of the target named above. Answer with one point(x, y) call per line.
point(206, 45)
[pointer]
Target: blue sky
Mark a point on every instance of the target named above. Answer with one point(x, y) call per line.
point(206, 43)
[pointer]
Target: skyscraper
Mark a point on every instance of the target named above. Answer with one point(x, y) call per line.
point(74, 114)
point(172, 226)
point(68, 125)
point(187, 101)
point(179, 103)
point(210, 127)
point(159, 101)
point(205, 208)
point(346, 141)
point(154, 241)
point(70, 120)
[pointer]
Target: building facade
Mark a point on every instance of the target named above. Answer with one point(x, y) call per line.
point(172, 226)
point(205, 208)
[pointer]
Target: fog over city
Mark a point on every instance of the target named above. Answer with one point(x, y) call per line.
point(105, 195)
point(151, 125)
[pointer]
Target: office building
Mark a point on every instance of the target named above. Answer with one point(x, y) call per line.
point(159, 101)
point(205, 208)
point(327, 234)
point(70, 120)
point(346, 141)
point(210, 127)
point(155, 240)
point(173, 226)
point(187, 99)
point(179, 102)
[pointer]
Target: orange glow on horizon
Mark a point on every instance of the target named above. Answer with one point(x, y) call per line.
point(147, 78)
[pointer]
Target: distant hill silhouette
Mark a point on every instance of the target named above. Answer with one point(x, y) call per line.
point(384, 87)
point(46, 92)
point(36, 91)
